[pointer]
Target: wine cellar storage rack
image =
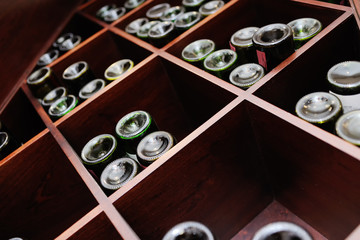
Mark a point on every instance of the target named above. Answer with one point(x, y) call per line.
point(243, 158)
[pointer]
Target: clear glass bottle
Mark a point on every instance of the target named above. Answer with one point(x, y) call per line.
point(273, 43)
point(187, 20)
point(246, 75)
point(155, 12)
point(153, 146)
point(91, 88)
point(162, 33)
point(304, 29)
point(52, 96)
point(118, 68)
point(41, 82)
point(99, 152)
point(344, 81)
point(76, 76)
point(197, 51)
point(210, 7)
point(62, 106)
point(282, 231)
point(118, 172)
point(221, 62)
point(320, 108)
point(189, 230)
point(134, 26)
point(241, 42)
point(133, 127)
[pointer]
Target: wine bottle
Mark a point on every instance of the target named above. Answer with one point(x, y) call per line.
point(155, 12)
point(132, 127)
point(8, 144)
point(48, 58)
point(153, 146)
point(282, 231)
point(52, 96)
point(114, 14)
point(210, 7)
point(320, 108)
point(62, 106)
point(132, 4)
point(118, 68)
point(143, 32)
point(186, 21)
point(62, 38)
point(197, 51)
point(344, 81)
point(221, 62)
point(304, 29)
point(189, 230)
point(118, 172)
point(134, 26)
point(91, 88)
point(246, 75)
point(161, 34)
point(76, 76)
point(347, 127)
point(172, 13)
point(241, 42)
point(192, 5)
point(273, 43)
point(70, 43)
point(99, 152)
point(41, 82)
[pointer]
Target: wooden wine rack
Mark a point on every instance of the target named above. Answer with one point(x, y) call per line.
point(243, 158)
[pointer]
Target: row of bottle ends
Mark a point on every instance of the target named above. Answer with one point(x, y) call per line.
point(195, 230)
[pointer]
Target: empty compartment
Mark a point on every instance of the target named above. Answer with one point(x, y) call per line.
point(235, 171)
point(169, 93)
point(243, 14)
point(308, 73)
point(20, 119)
point(98, 228)
point(41, 192)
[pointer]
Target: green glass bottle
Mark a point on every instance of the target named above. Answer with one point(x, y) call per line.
point(41, 82)
point(320, 108)
point(153, 146)
point(347, 127)
point(282, 230)
point(192, 5)
point(162, 33)
point(273, 43)
point(197, 51)
point(246, 75)
point(118, 68)
point(210, 7)
point(134, 26)
point(143, 32)
point(52, 96)
point(76, 76)
point(90, 89)
point(132, 127)
point(99, 151)
point(155, 12)
point(132, 4)
point(241, 42)
point(172, 13)
point(7, 144)
point(47, 58)
point(62, 106)
point(220, 63)
point(304, 29)
point(186, 21)
point(118, 172)
point(189, 230)
point(114, 14)
point(104, 10)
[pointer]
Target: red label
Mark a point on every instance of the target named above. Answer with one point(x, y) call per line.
point(232, 47)
point(261, 59)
